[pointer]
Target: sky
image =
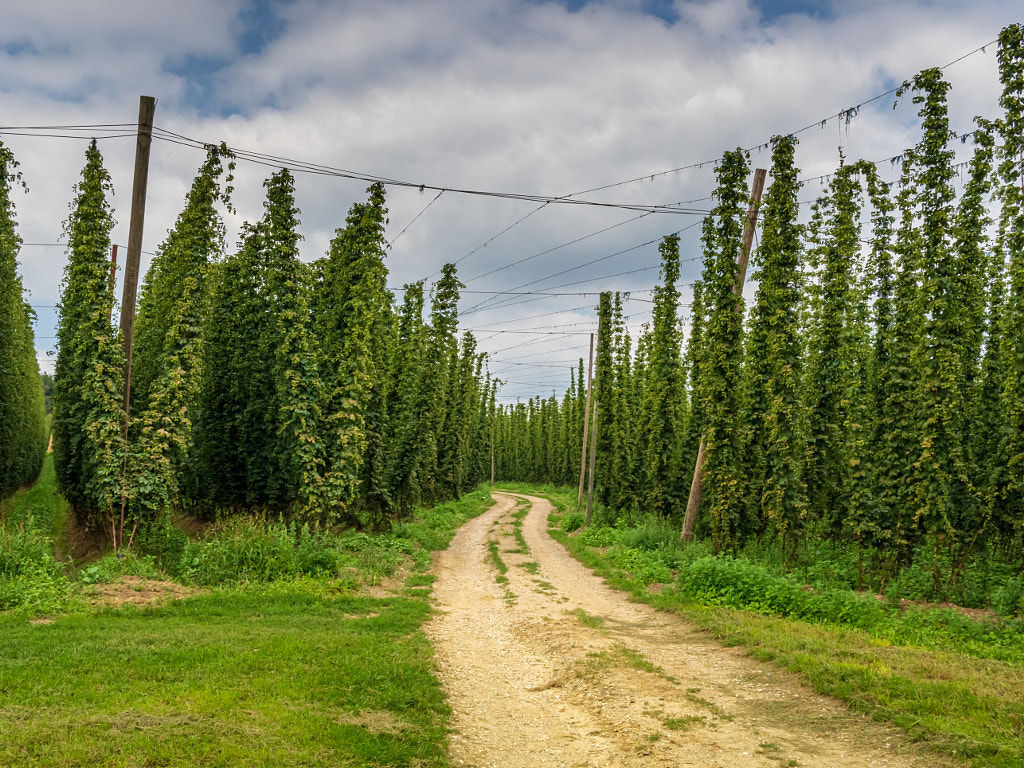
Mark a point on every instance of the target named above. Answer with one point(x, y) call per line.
point(537, 98)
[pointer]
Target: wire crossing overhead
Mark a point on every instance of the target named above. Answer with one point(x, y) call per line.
point(299, 166)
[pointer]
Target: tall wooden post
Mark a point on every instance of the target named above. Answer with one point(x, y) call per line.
point(593, 433)
point(143, 141)
point(147, 107)
point(697, 484)
point(586, 422)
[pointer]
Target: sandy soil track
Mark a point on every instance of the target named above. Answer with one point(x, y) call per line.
point(554, 668)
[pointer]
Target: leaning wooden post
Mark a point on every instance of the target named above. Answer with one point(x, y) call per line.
point(697, 484)
point(586, 422)
point(147, 108)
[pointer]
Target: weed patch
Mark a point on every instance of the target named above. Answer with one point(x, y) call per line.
point(587, 620)
point(499, 564)
point(684, 723)
point(620, 656)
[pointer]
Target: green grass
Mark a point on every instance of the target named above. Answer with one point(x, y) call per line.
point(257, 678)
point(951, 682)
point(499, 564)
point(587, 620)
point(39, 504)
point(276, 668)
point(522, 548)
point(31, 579)
point(683, 723)
point(620, 655)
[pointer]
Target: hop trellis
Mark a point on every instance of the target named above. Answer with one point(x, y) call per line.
point(874, 395)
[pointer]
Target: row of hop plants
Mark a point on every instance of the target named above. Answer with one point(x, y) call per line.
point(260, 382)
point(871, 394)
point(23, 429)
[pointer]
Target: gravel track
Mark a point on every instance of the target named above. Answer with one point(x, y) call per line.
point(554, 668)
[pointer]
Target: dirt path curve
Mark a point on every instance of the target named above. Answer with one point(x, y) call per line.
point(553, 668)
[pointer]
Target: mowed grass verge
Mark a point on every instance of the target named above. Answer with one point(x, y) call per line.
point(964, 699)
point(255, 678)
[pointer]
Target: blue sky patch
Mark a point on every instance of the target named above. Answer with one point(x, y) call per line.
point(816, 9)
point(769, 9)
point(661, 9)
point(23, 47)
point(256, 26)
point(259, 25)
point(199, 74)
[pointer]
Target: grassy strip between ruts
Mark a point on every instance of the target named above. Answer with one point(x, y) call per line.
point(967, 705)
point(295, 671)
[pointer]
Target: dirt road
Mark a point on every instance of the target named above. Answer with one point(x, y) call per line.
point(553, 668)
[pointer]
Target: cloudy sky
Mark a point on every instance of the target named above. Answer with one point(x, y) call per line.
point(530, 97)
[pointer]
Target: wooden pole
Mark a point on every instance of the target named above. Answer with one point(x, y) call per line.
point(593, 436)
point(143, 141)
point(113, 276)
point(697, 484)
point(147, 107)
point(593, 462)
point(586, 423)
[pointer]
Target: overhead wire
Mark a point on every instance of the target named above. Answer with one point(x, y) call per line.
point(533, 317)
point(301, 166)
point(845, 114)
point(489, 303)
point(126, 130)
point(415, 218)
point(121, 131)
point(490, 240)
point(310, 167)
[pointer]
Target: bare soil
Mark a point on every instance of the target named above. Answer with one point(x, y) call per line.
point(135, 590)
point(555, 668)
point(84, 545)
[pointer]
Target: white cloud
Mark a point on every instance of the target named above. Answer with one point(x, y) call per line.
point(482, 94)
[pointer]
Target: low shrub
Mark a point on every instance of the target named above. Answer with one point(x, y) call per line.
point(599, 536)
point(1009, 599)
point(741, 584)
point(164, 541)
point(30, 577)
point(644, 566)
point(651, 534)
point(573, 521)
point(113, 566)
point(247, 549)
